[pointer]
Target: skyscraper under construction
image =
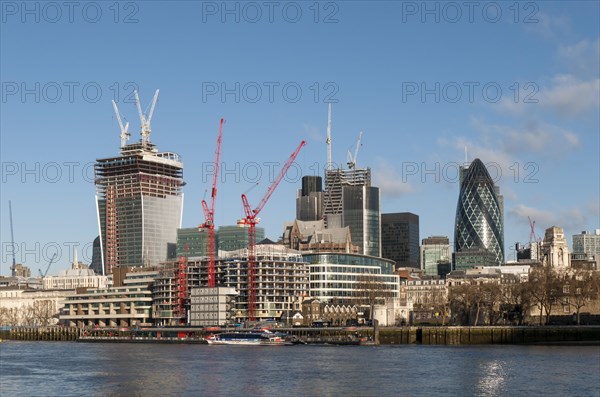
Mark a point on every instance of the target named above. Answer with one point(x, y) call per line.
point(139, 201)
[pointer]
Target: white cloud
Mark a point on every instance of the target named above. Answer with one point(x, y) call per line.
point(548, 26)
point(569, 96)
point(582, 58)
point(566, 95)
point(386, 178)
point(532, 137)
point(572, 219)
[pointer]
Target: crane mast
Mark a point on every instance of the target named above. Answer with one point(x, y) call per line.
point(251, 220)
point(13, 267)
point(329, 138)
point(209, 213)
point(47, 267)
point(145, 120)
point(352, 159)
point(124, 128)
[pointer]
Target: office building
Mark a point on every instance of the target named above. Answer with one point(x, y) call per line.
point(231, 238)
point(435, 255)
point(309, 202)
point(139, 205)
point(400, 238)
point(479, 224)
point(587, 243)
point(339, 277)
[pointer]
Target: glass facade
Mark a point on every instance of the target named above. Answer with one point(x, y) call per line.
point(400, 238)
point(361, 214)
point(140, 204)
point(336, 276)
point(192, 242)
point(231, 238)
point(479, 219)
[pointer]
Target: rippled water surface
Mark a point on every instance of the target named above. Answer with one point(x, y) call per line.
point(79, 369)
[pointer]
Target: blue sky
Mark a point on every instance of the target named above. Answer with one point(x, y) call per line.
point(516, 83)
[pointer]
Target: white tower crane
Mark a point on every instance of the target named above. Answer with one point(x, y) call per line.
point(352, 159)
point(329, 138)
point(145, 120)
point(124, 129)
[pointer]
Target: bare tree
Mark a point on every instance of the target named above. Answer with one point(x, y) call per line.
point(516, 301)
point(462, 300)
point(491, 294)
point(582, 286)
point(545, 289)
point(13, 317)
point(371, 290)
point(440, 304)
point(43, 311)
point(27, 316)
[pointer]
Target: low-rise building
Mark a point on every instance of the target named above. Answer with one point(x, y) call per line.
point(129, 305)
point(25, 306)
point(212, 306)
point(79, 276)
point(313, 236)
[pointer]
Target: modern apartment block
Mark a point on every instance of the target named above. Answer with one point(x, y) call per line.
point(281, 276)
point(129, 305)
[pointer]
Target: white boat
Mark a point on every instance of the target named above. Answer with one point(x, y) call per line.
point(251, 338)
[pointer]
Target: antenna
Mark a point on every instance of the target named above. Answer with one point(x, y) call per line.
point(329, 138)
point(124, 129)
point(466, 161)
point(13, 268)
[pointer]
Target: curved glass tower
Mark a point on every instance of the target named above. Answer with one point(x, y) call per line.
point(479, 215)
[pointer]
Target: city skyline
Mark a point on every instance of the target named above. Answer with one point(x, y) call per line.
point(415, 130)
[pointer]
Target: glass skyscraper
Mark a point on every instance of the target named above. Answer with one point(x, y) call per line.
point(479, 214)
point(140, 204)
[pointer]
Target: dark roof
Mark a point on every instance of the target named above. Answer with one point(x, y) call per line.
point(266, 241)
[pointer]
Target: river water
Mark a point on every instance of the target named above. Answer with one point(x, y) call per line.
point(81, 369)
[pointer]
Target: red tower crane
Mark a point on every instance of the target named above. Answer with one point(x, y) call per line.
point(182, 286)
point(209, 213)
point(532, 236)
point(251, 220)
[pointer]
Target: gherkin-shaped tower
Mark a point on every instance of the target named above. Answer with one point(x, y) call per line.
point(479, 215)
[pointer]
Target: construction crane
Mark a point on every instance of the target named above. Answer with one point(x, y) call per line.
point(209, 213)
point(124, 129)
point(250, 221)
point(329, 165)
point(351, 158)
point(145, 120)
point(182, 286)
point(13, 267)
point(43, 275)
point(532, 236)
